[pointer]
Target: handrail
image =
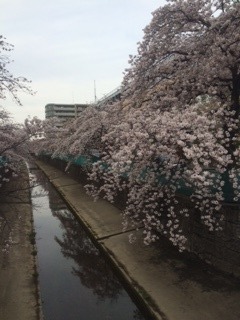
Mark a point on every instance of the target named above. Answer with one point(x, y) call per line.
point(109, 95)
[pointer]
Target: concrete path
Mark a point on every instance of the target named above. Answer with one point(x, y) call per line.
point(19, 298)
point(174, 286)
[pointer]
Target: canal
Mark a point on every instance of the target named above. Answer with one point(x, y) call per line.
point(76, 282)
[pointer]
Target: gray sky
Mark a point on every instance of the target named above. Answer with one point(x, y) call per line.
point(64, 45)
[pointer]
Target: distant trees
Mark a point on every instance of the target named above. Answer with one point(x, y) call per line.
point(80, 136)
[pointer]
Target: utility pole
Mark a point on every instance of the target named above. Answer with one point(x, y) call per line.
point(95, 94)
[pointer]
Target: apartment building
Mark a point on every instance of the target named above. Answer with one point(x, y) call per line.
point(64, 112)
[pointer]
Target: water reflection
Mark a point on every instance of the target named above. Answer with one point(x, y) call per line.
point(67, 255)
point(91, 268)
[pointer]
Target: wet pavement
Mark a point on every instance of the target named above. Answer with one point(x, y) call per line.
point(173, 286)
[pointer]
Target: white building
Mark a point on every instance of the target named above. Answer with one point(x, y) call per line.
point(63, 112)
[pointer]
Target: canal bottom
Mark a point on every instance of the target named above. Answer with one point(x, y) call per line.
point(76, 282)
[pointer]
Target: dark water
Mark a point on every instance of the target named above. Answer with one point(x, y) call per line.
point(76, 283)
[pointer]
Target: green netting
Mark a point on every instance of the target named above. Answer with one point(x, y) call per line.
point(82, 161)
point(182, 188)
point(3, 161)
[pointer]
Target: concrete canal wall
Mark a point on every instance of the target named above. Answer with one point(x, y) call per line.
point(220, 249)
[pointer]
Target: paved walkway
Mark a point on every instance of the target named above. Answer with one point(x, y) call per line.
point(19, 298)
point(174, 286)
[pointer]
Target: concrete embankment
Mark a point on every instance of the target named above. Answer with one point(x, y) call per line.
point(172, 286)
point(19, 299)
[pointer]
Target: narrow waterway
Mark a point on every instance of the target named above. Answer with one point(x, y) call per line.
point(76, 283)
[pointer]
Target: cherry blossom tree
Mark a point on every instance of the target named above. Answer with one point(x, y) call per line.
point(176, 128)
point(9, 84)
point(83, 135)
point(80, 136)
point(14, 147)
point(44, 135)
point(13, 137)
point(13, 143)
point(179, 127)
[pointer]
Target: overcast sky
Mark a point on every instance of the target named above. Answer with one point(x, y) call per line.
point(64, 45)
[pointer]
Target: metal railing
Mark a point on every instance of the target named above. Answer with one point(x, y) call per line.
point(109, 96)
